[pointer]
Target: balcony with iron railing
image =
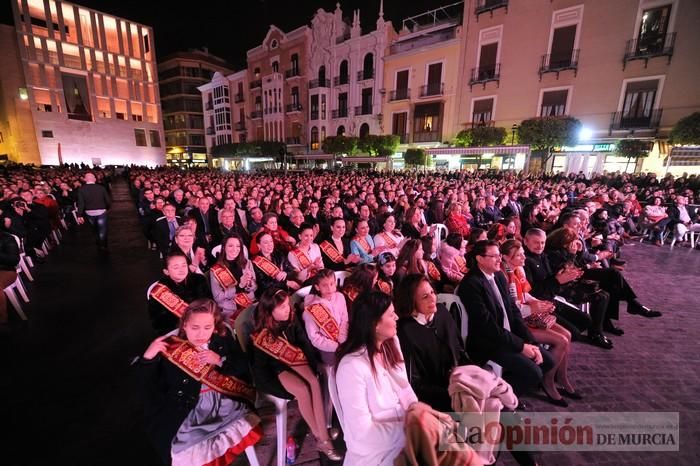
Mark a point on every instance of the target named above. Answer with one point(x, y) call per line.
point(485, 74)
point(556, 63)
point(649, 46)
point(403, 138)
point(256, 84)
point(432, 90)
point(342, 112)
point(363, 110)
point(488, 6)
point(238, 98)
point(648, 120)
point(210, 130)
point(363, 75)
point(292, 73)
point(314, 83)
point(240, 126)
point(399, 94)
point(256, 114)
point(481, 124)
point(273, 109)
point(341, 80)
point(293, 108)
point(427, 136)
point(313, 115)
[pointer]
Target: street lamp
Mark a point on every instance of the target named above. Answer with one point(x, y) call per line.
point(513, 128)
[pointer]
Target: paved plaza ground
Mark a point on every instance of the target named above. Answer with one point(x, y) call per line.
point(68, 393)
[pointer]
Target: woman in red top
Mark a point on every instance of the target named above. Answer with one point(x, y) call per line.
point(455, 221)
point(556, 336)
point(283, 241)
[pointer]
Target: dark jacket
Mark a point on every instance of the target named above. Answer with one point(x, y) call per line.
point(9, 252)
point(430, 352)
point(195, 286)
point(264, 281)
point(92, 197)
point(540, 275)
point(169, 393)
point(328, 263)
point(161, 234)
point(487, 336)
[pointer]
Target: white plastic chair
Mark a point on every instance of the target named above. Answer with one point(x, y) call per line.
point(298, 296)
point(440, 229)
point(280, 405)
point(340, 277)
point(685, 235)
point(150, 288)
point(216, 250)
point(335, 398)
point(10, 293)
point(23, 260)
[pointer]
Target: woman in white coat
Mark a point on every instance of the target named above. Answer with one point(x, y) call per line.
point(376, 399)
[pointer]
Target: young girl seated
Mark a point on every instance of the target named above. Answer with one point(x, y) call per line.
point(173, 292)
point(387, 270)
point(325, 316)
point(306, 256)
point(363, 278)
point(197, 390)
point(284, 360)
point(232, 278)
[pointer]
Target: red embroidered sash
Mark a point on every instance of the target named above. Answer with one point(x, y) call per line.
point(388, 240)
point(351, 293)
point(324, 319)
point(279, 348)
point(364, 244)
point(462, 264)
point(303, 259)
point(433, 271)
point(168, 299)
point(332, 253)
point(266, 266)
point(183, 354)
point(384, 287)
point(226, 279)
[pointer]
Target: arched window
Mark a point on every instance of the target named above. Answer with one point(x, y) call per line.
point(364, 130)
point(314, 138)
point(321, 75)
point(368, 67)
point(340, 131)
point(343, 72)
point(323, 133)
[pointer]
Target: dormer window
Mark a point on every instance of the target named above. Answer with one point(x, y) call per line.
point(273, 44)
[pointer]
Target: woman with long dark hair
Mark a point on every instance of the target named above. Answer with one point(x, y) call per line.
point(284, 361)
point(376, 398)
point(272, 269)
point(363, 278)
point(232, 278)
point(389, 237)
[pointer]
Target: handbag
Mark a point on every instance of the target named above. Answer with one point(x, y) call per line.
point(580, 291)
point(540, 321)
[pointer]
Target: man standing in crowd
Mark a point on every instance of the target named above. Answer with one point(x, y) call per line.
point(93, 203)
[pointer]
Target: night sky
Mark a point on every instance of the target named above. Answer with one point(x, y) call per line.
point(230, 28)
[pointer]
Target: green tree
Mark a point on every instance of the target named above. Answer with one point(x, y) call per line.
point(687, 130)
point(234, 149)
point(379, 145)
point(339, 145)
point(417, 157)
point(546, 133)
point(632, 149)
point(480, 136)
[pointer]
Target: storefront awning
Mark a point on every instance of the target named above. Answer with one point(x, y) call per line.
point(505, 150)
point(349, 160)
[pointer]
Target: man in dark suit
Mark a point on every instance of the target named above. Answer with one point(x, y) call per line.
point(207, 219)
point(496, 329)
point(164, 229)
point(492, 213)
point(514, 207)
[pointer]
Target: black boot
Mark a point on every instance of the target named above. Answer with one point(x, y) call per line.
point(609, 327)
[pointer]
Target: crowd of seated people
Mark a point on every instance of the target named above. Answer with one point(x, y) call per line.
point(513, 248)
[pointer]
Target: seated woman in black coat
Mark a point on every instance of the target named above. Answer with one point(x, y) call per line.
point(429, 340)
point(284, 361)
point(272, 268)
point(173, 292)
point(197, 391)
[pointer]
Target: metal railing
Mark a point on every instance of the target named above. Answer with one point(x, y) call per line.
point(314, 115)
point(481, 124)
point(293, 108)
point(485, 6)
point(238, 98)
point(649, 46)
point(365, 74)
point(340, 80)
point(255, 84)
point(400, 94)
point(314, 83)
point(342, 112)
point(210, 130)
point(403, 138)
point(292, 73)
point(620, 120)
point(363, 110)
point(240, 126)
point(426, 136)
point(484, 74)
point(560, 62)
point(256, 114)
point(293, 141)
point(432, 89)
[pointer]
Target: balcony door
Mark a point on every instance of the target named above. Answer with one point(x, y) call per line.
point(639, 103)
point(487, 61)
point(562, 52)
point(434, 79)
point(653, 29)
